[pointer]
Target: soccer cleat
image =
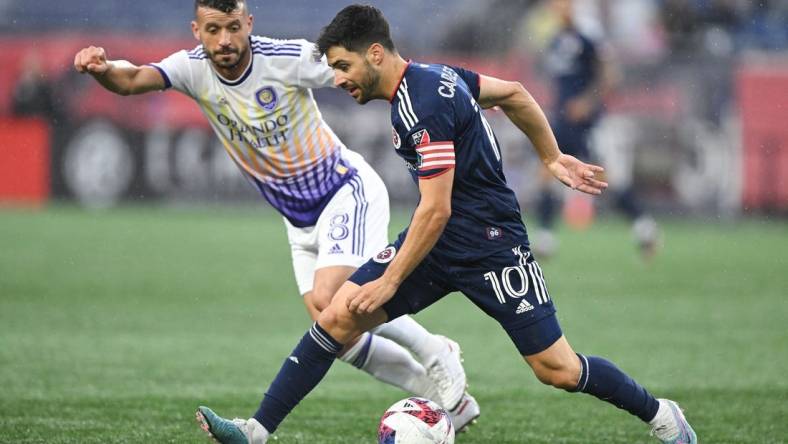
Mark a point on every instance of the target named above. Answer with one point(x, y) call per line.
point(225, 431)
point(647, 236)
point(465, 414)
point(545, 244)
point(447, 375)
point(670, 426)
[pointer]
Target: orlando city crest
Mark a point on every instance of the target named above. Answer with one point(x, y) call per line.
point(266, 97)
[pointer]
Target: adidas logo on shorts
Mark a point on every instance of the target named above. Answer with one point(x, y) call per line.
point(336, 249)
point(523, 307)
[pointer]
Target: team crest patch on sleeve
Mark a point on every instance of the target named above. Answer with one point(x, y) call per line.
point(395, 138)
point(267, 98)
point(421, 137)
point(386, 255)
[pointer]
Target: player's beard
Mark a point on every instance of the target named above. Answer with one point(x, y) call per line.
point(369, 85)
point(218, 58)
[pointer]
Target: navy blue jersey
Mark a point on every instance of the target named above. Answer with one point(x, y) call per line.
point(438, 129)
point(572, 63)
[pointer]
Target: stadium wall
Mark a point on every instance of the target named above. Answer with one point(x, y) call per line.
point(107, 149)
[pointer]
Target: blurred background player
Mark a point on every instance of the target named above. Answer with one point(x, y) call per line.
point(583, 74)
point(255, 91)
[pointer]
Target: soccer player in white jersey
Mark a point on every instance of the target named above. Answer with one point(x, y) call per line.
point(255, 92)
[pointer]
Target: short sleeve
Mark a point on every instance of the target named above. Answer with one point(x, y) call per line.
point(176, 71)
point(471, 78)
point(313, 72)
point(432, 140)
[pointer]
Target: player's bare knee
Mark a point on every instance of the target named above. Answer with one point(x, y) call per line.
point(330, 319)
point(339, 323)
point(321, 298)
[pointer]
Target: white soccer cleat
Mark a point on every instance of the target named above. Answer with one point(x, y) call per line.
point(447, 375)
point(545, 244)
point(647, 236)
point(670, 426)
point(465, 413)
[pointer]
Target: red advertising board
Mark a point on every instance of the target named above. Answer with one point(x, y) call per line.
point(763, 100)
point(24, 161)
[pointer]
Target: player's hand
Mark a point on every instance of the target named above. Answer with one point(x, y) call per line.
point(92, 60)
point(578, 175)
point(371, 296)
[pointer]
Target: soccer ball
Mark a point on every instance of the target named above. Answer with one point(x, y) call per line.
point(415, 421)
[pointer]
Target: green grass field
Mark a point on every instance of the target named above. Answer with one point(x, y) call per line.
point(115, 325)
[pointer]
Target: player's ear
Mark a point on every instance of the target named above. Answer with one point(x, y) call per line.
point(195, 30)
point(375, 53)
point(250, 22)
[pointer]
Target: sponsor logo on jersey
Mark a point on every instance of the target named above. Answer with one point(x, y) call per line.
point(493, 233)
point(395, 138)
point(421, 137)
point(386, 255)
point(266, 97)
point(263, 133)
point(524, 307)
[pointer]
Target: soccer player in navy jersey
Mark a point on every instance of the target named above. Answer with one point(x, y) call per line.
point(466, 233)
point(583, 74)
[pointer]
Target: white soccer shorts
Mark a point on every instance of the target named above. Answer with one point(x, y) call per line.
point(352, 227)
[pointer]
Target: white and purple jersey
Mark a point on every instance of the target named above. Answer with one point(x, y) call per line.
point(269, 123)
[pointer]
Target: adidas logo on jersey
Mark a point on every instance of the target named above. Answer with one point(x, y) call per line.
point(336, 249)
point(523, 307)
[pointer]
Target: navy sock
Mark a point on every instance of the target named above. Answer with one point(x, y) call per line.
point(601, 378)
point(547, 208)
point(300, 373)
point(627, 202)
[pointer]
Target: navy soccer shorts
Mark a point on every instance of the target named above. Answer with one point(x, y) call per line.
point(509, 286)
point(573, 139)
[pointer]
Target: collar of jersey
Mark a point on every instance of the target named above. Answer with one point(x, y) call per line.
point(243, 76)
point(394, 93)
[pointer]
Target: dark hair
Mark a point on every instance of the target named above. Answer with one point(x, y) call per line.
point(355, 28)
point(225, 6)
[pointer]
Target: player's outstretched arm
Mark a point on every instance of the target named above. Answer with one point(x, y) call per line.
point(521, 108)
point(118, 76)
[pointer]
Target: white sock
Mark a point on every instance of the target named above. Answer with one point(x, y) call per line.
point(255, 432)
point(663, 424)
point(645, 229)
point(411, 335)
point(390, 363)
